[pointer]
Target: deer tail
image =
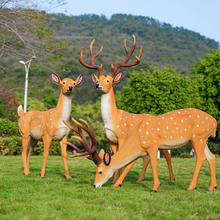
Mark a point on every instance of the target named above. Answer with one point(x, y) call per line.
point(20, 110)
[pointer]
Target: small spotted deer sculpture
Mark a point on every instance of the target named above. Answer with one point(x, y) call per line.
point(168, 131)
point(118, 124)
point(48, 126)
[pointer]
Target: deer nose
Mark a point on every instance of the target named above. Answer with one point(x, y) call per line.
point(97, 86)
point(94, 186)
point(70, 88)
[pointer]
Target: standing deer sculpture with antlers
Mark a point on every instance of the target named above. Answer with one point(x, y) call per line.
point(118, 124)
point(48, 125)
point(168, 131)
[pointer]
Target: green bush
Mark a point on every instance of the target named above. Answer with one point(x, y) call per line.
point(184, 155)
point(13, 146)
point(8, 128)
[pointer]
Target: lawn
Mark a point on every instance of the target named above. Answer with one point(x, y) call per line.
point(30, 197)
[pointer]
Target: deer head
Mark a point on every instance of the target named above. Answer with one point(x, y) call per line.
point(67, 85)
point(103, 171)
point(104, 83)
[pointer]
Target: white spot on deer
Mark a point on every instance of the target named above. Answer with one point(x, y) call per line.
point(131, 124)
point(170, 136)
point(190, 116)
point(144, 142)
point(122, 132)
point(208, 129)
point(139, 130)
point(147, 123)
point(193, 135)
point(178, 112)
point(147, 133)
point(198, 116)
point(167, 127)
point(181, 120)
point(197, 126)
point(118, 126)
point(181, 136)
point(158, 129)
point(177, 128)
point(201, 140)
point(171, 118)
point(206, 117)
point(162, 117)
point(120, 118)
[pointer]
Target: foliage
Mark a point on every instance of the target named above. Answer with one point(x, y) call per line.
point(9, 104)
point(30, 197)
point(184, 155)
point(8, 128)
point(158, 92)
point(13, 146)
point(207, 73)
point(25, 30)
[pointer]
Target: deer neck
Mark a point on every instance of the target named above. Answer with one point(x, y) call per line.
point(108, 108)
point(63, 108)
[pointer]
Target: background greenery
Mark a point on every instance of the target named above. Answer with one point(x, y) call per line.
point(179, 68)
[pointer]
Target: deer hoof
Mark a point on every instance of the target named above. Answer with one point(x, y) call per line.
point(208, 190)
point(215, 187)
point(153, 191)
point(42, 177)
point(120, 185)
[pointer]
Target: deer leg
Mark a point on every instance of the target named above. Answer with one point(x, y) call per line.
point(199, 147)
point(32, 144)
point(25, 146)
point(168, 159)
point(152, 152)
point(64, 157)
point(118, 172)
point(146, 160)
point(47, 141)
point(211, 160)
point(124, 173)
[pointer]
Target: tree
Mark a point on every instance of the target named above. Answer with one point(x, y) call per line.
point(158, 92)
point(207, 73)
point(25, 30)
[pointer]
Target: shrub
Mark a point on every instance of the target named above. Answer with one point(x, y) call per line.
point(184, 155)
point(8, 128)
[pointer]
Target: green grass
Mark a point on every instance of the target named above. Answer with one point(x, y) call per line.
point(29, 197)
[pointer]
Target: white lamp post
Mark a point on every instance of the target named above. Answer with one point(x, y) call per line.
point(26, 66)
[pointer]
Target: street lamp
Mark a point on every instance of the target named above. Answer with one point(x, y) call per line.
point(26, 66)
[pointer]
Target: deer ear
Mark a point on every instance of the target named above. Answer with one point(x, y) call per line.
point(55, 78)
point(94, 78)
point(79, 80)
point(107, 158)
point(101, 153)
point(117, 78)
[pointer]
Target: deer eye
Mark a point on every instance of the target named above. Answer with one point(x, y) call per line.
point(73, 83)
point(100, 172)
point(64, 82)
point(107, 80)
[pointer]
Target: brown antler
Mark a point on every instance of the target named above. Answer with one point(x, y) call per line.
point(93, 57)
point(124, 62)
point(90, 152)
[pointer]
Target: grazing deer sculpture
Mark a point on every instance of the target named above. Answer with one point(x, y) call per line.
point(168, 131)
point(48, 125)
point(118, 124)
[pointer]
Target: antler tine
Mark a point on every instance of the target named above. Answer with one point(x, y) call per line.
point(92, 151)
point(74, 147)
point(93, 57)
point(128, 56)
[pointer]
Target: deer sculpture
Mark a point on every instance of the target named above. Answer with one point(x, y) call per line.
point(118, 124)
point(48, 125)
point(168, 131)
